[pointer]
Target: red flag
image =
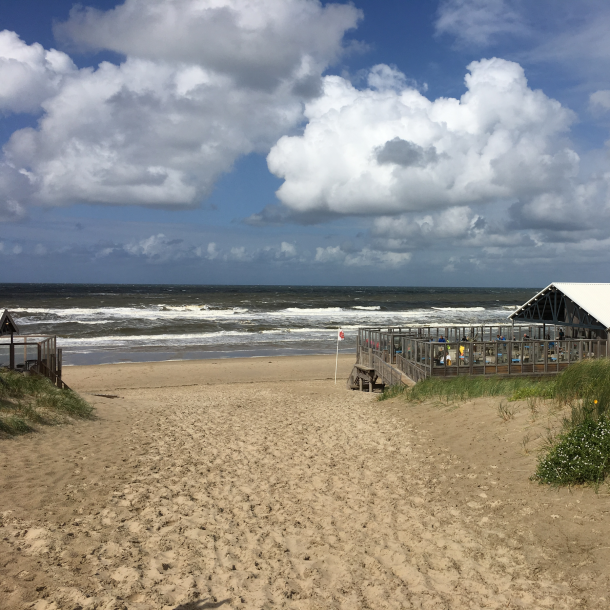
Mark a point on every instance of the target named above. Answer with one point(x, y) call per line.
point(340, 335)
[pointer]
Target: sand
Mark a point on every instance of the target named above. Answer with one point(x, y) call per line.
point(260, 484)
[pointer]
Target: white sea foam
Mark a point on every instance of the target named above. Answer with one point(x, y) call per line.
point(459, 308)
point(201, 339)
point(371, 308)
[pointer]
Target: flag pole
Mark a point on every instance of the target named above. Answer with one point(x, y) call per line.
point(337, 358)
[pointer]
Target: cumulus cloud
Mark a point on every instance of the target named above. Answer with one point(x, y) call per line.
point(255, 43)
point(405, 153)
point(458, 222)
point(390, 151)
point(201, 85)
point(29, 74)
point(145, 133)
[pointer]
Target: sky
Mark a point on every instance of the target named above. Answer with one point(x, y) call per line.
point(415, 143)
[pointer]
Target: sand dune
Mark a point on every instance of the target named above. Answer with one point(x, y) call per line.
point(293, 494)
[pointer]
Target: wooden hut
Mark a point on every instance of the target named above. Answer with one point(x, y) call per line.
point(35, 354)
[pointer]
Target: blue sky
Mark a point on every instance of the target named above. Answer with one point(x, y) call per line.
point(461, 142)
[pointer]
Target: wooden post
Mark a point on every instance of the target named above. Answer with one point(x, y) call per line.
point(59, 366)
point(39, 357)
point(545, 346)
point(11, 357)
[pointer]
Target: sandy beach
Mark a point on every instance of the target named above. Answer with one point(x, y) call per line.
point(260, 483)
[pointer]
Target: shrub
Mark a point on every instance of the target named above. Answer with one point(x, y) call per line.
point(580, 455)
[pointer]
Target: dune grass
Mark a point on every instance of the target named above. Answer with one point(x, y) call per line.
point(28, 400)
point(581, 453)
point(467, 388)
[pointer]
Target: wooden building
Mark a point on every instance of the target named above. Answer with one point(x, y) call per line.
point(563, 324)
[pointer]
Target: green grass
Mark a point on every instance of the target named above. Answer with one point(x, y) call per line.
point(581, 453)
point(466, 388)
point(27, 401)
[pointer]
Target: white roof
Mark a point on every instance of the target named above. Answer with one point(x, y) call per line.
point(593, 298)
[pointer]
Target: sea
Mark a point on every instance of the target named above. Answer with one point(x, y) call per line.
point(101, 323)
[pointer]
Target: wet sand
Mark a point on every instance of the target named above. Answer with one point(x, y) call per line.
point(260, 484)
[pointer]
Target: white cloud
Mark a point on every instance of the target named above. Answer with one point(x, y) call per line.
point(600, 100)
point(29, 74)
point(287, 250)
point(330, 254)
point(202, 84)
point(212, 252)
point(458, 222)
point(572, 36)
point(367, 257)
point(125, 135)
point(158, 249)
point(238, 254)
point(479, 21)
point(394, 151)
point(256, 43)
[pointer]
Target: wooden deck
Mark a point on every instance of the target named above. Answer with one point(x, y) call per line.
point(405, 356)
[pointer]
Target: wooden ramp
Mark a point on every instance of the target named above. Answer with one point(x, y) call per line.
point(379, 375)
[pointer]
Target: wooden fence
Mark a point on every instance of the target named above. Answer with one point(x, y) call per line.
point(34, 354)
point(417, 354)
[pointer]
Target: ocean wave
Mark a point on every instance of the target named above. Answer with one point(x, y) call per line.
point(126, 313)
point(190, 339)
point(311, 311)
point(459, 308)
point(371, 308)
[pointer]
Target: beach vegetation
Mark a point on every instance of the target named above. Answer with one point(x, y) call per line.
point(30, 400)
point(575, 453)
point(468, 388)
point(581, 452)
point(505, 411)
point(579, 455)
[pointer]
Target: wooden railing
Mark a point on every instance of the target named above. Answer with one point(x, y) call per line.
point(422, 357)
point(47, 361)
point(389, 374)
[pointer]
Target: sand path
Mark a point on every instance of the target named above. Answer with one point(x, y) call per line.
point(250, 495)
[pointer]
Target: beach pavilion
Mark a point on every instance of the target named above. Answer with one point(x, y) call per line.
point(563, 324)
point(581, 310)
